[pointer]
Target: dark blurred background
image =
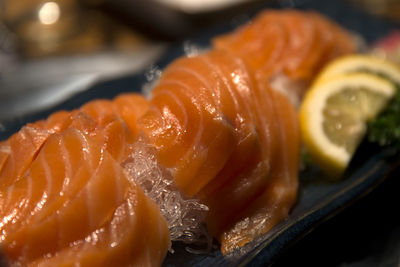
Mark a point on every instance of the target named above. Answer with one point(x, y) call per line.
point(51, 50)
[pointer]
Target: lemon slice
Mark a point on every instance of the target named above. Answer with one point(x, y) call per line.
point(334, 113)
point(361, 63)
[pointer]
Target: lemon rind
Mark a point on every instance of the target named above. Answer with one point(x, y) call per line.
point(360, 63)
point(331, 157)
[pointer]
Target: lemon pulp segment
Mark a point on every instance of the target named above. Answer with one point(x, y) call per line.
point(334, 113)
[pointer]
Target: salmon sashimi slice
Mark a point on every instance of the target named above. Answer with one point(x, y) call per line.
point(279, 195)
point(56, 122)
point(243, 186)
point(130, 107)
point(134, 241)
point(256, 130)
point(306, 42)
point(72, 189)
point(185, 123)
point(190, 94)
point(21, 149)
point(59, 173)
point(117, 122)
point(115, 138)
point(261, 44)
point(302, 42)
point(102, 111)
point(135, 236)
point(112, 133)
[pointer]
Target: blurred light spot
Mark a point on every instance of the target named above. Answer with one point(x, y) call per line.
point(49, 13)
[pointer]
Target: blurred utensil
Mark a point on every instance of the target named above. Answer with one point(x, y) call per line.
point(7, 47)
point(173, 19)
point(33, 86)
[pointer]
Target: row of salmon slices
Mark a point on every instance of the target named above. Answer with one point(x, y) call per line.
point(222, 135)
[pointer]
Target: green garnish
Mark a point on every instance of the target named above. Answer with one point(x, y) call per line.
point(385, 129)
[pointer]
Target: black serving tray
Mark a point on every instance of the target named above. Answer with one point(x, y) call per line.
point(319, 199)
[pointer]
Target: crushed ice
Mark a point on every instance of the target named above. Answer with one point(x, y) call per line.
point(152, 76)
point(292, 90)
point(185, 217)
point(191, 49)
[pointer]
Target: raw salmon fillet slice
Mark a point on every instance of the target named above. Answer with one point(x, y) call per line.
point(114, 137)
point(18, 152)
point(223, 137)
point(294, 43)
point(127, 240)
point(259, 170)
point(256, 130)
point(73, 189)
point(127, 107)
point(272, 204)
point(130, 107)
point(186, 124)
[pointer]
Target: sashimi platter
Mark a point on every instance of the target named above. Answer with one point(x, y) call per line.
point(235, 151)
